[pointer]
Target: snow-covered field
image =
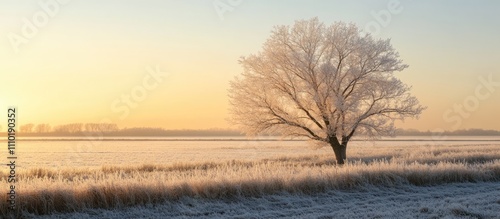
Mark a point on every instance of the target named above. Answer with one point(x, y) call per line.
point(266, 179)
point(97, 153)
point(456, 200)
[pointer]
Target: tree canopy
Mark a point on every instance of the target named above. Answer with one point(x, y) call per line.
point(324, 83)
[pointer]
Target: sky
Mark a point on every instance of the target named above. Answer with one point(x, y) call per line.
point(168, 63)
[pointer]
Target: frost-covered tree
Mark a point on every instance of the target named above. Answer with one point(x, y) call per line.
point(324, 83)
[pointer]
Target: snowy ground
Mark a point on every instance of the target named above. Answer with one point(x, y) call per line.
point(459, 200)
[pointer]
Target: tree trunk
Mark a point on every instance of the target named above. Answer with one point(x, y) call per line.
point(340, 152)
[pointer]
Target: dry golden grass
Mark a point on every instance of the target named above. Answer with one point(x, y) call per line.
point(44, 191)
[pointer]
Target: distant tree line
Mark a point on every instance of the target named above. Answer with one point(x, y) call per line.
point(145, 131)
point(70, 128)
point(462, 132)
point(111, 129)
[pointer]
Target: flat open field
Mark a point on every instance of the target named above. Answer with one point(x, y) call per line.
point(456, 200)
point(149, 179)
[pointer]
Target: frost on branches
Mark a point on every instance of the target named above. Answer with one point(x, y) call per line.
point(324, 83)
